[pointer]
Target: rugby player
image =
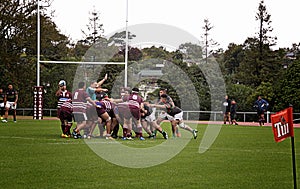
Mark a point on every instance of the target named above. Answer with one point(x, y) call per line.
point(175, 114)
point(80, 99)
point(66, 116)
point(62, 95)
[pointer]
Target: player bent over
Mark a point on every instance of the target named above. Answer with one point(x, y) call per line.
point(101, 112)
point(105, 113)
point(92, 120)
point(66, 117)
point(135, 105)
point(148, 117)
point(176, 113)
point(109, 107)
point(163, 115)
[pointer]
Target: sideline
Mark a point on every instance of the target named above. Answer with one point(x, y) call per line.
point(190, 121)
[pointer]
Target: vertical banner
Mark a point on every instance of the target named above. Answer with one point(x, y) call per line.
point(282, 124)
point(38, 97)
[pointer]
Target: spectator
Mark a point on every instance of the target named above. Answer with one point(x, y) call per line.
point(2, 100)
point(233, 112)
point(226, 109)
point(261, 106)
point(11, 100)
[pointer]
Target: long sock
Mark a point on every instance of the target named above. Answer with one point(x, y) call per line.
point(67, 130)
point(125, 132)
point(161, 131)
point(63, 127)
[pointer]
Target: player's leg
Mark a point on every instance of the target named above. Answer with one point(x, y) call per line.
point(159, 129)
point(14, 109)
point(80, 119)
point(68, 123)
point(60, 115)
point(153, 124)
point(108, 121)
point(115, 127)
point(179, 120)
point(2, 110)
point(228, 117)
point(7, 108)
point(136, 117)
point(225, 117)
point(146, 128)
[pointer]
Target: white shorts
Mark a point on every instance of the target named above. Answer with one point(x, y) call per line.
point(179, 116)
point(163, 115)
point(11, 105)
point(150, 117)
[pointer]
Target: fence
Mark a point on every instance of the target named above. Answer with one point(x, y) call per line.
point(187, 115)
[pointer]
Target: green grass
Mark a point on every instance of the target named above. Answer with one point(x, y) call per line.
point(33, 155)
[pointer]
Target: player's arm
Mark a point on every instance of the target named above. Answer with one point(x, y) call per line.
point(142, 107)
point(16, 98)
point(103, 80)
point(5, 100)
point(91, 101)
point(116, 100)
point(158, 106)
point(58, 92)
point(171, 102)
point(99, 89)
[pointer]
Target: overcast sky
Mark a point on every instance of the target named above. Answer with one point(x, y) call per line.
point(233, 20)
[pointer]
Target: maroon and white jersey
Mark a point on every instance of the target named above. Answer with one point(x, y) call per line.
point(80, 101)
point(107, 105)
point(134, 100)
point(63, 97)
point(67, 106)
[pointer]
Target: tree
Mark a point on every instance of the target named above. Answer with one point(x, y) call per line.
point(260, 63)
point(232, 58)
point(264, 19)
point(209, 43)
point(192, 52)
point(288, 90)
point(18, 28)
point(119, 38)
point(94, 29)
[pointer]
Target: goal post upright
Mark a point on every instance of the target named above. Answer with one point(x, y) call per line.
point(126, 45)
point(38, 44)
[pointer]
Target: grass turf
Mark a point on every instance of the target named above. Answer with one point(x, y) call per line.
point(33, 155)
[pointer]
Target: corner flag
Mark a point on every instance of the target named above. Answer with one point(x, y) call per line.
point(282, 124)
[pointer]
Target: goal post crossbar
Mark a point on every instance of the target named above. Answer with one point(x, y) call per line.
point(73, 62)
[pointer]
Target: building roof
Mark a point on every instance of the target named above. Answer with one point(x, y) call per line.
point(150, 73)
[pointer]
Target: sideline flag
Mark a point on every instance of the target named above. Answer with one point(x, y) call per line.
point(282, 124)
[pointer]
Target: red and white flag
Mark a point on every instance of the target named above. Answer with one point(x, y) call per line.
point(282, 124)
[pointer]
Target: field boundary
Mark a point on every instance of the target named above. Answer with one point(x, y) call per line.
point(187, 121)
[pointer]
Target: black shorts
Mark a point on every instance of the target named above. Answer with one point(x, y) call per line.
point(92, 114)
point(79, 116)
point(65, 116)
